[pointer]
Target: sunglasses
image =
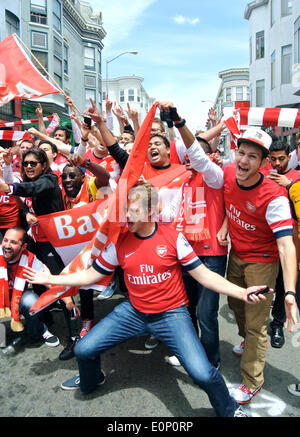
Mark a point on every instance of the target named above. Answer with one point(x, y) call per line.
point(31, 163)
point(71, 176)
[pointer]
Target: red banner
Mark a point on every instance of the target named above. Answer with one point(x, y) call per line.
point(19, 78)
point(71, 230)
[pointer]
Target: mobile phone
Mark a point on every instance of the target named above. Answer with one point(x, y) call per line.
point(88, 121)
point(264, 292)
point(273, 170)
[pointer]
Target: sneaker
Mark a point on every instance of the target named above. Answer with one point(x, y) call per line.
point(294, 389)
point(108, 292)
point(68, 352)
point(240, 413)
point(244, 394)
point(87, 324)
point(151, 342)
point(50, 340)
point(74, 383)
point(174, 361)
point(239, 349)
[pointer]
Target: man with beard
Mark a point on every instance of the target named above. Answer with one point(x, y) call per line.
point(14, 292)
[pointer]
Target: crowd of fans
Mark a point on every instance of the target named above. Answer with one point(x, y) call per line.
point(253, 200)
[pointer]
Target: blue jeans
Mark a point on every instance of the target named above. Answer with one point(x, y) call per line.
point(174, 328)
point(204, 306)
point(33, 325)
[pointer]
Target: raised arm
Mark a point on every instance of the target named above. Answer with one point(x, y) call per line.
point(63, 148)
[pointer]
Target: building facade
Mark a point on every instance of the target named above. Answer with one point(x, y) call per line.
point(10, 23)
point(65, 39)
point(128, 89)
point(274, 55)
point(234, 88)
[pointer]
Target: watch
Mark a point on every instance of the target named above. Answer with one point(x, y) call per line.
point(290, 293)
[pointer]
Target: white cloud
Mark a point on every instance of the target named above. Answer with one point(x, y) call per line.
point(180, 19)
point(120, 17)
point(188, 99)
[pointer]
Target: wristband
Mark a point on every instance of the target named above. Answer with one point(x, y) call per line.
point(181, 124)
point(290, 293)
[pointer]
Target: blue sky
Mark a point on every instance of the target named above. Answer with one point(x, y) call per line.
point(182, 47)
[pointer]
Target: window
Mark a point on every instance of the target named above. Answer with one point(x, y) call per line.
point(273, 70)
point(99, 62)
point(272, 13)
point(251, 93)
point(286, 7)
point(122, 96)
point(89, 58)
point(250, 50)
point(90, 81)
point(38, 11)
point(66, 59)
point(57, 69)
point(89, 94)
point(239, 93)
point(11, 23)
point(103, 95)
point(286, 64)
point(56, 16)
point(138, 96)
point(131, 95)
point(228, 95)
point(57, 47)
point(42, 57)
point(260, 92)
point(39, 39)
point(260, 45)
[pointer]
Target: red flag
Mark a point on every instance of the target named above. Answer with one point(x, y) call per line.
point(19, 78)
point(112, 227)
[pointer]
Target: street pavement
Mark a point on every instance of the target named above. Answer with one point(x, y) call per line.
point(140, 383)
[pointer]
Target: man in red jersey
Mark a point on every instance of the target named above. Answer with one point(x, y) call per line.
point(152, 256)
point(261, 231)
point(283, 176)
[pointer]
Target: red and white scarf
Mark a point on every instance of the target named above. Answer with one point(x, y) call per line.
point(14, 135)
point(21, 122)
point(192, 215)
point(11, 308)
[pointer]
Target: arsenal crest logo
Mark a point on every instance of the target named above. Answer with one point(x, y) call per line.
point(250, 206)
point(161, 251)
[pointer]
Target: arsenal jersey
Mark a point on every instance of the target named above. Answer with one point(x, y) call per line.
point(257, 216)
point(152, 267)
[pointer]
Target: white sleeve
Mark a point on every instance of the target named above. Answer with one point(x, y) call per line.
point(278, 216)
point(180, 149)
point(76, 131)
point(212, 173)
point(81, 150)
point(110, 122)
point(293, 162)
point(8, 174)
point(107, 261)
